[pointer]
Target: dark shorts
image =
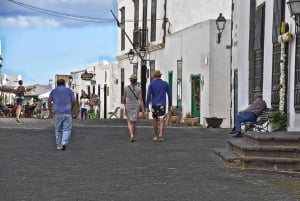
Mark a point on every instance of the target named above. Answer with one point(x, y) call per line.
point(19, 101)
point(158, 111)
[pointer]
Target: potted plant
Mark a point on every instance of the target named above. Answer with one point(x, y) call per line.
point(175, 115)
point(213, 122)
point(278, 120)
point(190, 119)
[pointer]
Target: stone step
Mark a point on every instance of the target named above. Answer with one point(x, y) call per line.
point(259, 163)
point(273, 138)
point(242, 148)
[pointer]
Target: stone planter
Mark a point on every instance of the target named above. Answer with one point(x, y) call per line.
point(175, 119)
point(213, 122)
point(190, 121)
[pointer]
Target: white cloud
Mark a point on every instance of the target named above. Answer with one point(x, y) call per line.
point(29, 22)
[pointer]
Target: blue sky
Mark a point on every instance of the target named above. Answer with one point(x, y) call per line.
point(37, 45)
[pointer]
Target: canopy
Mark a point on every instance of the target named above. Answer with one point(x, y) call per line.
point(44, 95)
point(9, 87)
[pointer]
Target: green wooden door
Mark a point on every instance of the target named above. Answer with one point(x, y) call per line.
point(195, 95)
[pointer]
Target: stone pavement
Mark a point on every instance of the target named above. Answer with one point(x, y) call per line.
point(100, 164)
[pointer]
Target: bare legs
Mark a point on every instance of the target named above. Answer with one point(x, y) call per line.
point(158, 132)
point(131, 127)
point(18, 112)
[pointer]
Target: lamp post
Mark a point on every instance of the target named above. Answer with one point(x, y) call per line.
point(220, 22)
point(141, 53)
point(294, 7)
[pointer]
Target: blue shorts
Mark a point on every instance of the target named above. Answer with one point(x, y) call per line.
point(19, 101)
point(158, 111)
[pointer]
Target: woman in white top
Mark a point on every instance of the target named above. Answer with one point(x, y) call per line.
point(133, 101)
point(84, 105)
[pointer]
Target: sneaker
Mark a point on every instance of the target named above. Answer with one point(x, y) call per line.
point(59, 147)
point(63, 147)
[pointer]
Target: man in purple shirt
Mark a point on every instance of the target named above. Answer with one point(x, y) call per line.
point(157, 92)
point(60, 103)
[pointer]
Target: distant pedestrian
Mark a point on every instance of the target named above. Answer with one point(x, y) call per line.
point(95, 103)
point(4, 108)
point(133, 101)
point(60, 103)
point(158, 91)
point(84, 106)
point(20, 92)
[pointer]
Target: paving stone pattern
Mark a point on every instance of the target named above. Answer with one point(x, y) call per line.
point(100, 164)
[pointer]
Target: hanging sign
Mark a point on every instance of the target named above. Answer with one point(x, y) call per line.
point(87, 76)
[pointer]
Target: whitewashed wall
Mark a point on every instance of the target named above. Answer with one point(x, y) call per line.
point(240, 56)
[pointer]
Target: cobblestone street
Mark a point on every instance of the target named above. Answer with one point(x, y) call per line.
point(100, 164)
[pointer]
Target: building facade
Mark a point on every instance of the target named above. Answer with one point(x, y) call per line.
point(180, 41)
point(261, 61)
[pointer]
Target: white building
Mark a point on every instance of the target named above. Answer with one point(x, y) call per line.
point(180, 39)
point(257, 56)
point(103, 83)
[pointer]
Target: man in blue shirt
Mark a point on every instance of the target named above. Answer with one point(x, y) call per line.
point(60, 103)
point(156, 95)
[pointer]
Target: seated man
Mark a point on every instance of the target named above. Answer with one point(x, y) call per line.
point(249, 114)
point(4, 108)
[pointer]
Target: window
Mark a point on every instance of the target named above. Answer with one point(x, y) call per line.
point(152, 69)
point(144, 30)
point(135, 69)
point(179, 83)
point(122, 10)
point(99, 88)
point(278, 17)
point(297, 75)
point(136, 24)
point(256, 71)
point(122, 85)
point(153, 20)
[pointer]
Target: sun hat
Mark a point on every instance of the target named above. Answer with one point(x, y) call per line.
point(133, 77)
point(157, 73)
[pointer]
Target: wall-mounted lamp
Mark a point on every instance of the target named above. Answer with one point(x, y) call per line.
point(142, 53)
point(294, 7)
point(130, 55)
point(220, 22)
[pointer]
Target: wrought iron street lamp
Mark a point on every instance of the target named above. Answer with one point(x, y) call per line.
point(294, 7)
point(131, 56)
point(220, 22)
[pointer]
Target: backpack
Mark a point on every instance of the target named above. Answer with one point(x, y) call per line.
point(20, 91)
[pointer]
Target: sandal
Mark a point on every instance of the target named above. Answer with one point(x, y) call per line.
point(155, 138)
point(160, 138)
point(132, 139)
